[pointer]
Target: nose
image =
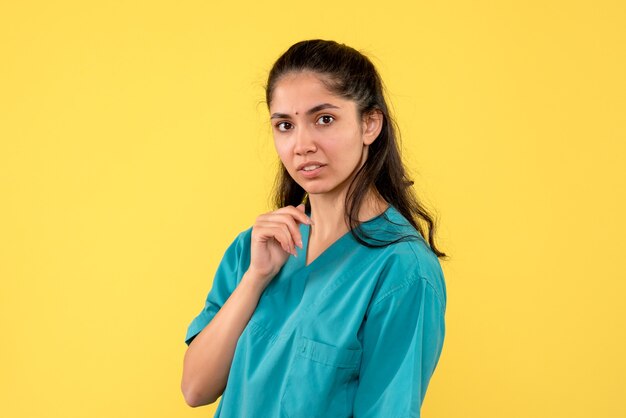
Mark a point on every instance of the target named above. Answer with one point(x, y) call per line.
point(304, 141)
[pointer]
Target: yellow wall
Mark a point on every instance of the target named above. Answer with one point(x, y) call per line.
point(133, 147)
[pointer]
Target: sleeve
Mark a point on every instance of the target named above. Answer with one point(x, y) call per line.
point(225, 281)
point(403, 337)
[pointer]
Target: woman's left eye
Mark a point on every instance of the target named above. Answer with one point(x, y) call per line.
point(326, 119)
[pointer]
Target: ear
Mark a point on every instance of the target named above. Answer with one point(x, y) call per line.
point(372, 124)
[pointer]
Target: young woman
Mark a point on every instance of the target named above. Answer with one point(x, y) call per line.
point(333, 304)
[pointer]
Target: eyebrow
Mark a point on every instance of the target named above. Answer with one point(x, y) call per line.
point(308, 112)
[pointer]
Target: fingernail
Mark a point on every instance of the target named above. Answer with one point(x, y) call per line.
point(301, 245)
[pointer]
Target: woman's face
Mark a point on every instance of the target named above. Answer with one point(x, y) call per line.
point(317, 130)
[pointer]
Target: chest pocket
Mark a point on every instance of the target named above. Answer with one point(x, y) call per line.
point(321, 380)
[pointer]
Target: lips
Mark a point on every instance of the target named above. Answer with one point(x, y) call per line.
point(310, 164)
point(311, 173)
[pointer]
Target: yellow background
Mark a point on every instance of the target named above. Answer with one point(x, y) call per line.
point(135, 145)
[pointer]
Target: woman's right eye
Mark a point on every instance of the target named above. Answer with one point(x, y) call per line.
point(278, 125)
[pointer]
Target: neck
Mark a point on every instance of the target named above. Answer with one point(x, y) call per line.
point(327, 211)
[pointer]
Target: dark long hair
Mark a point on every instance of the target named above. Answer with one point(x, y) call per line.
point(349, 74)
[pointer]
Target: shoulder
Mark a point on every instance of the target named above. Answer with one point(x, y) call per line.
point(238, 251)
point(407, 262)
point(243, 237)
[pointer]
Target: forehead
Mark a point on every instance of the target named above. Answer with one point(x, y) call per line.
point(297, 92)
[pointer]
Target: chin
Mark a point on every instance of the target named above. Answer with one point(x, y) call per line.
point(319, 189)
point(313, 189)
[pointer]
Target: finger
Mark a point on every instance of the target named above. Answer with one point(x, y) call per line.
point(266, 231)
point(287, 238)
point(279, 231)
point(299, 214)
point(301, 207)
point(290, 222)
point(286, 215)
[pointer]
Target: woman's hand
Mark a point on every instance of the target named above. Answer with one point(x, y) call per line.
point(274, 236)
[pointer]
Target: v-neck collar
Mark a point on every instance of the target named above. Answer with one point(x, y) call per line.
point(333, 247)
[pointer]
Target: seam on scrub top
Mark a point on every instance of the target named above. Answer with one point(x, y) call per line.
point(439, 296)
point(416, 277)
point(412, 279)
point(257, 328)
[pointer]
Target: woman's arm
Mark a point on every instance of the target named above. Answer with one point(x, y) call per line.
point(209, 356)
point(402, 342)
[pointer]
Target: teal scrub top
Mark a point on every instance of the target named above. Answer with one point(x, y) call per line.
point(356, 333)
